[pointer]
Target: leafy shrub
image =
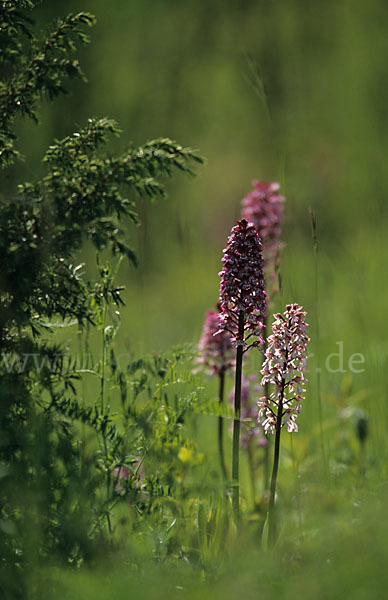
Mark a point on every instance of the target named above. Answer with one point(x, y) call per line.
point(58, 484)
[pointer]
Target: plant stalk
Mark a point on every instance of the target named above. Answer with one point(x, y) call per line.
point(236, 422)
point(252, 471)
point(271, 509)
point(266, 394)
point(221, 424)
point(317, 334)
point(266, 452)
point(102, 408)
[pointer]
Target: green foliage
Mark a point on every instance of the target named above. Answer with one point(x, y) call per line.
point(79, 199)
point(58, 449)
point(36, 71)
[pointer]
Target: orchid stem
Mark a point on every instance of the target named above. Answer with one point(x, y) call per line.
point(221, 424)
point(236, 422)
point(271, 509)
point(266, 394)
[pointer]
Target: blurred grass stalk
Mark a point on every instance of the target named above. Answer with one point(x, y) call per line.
point(314, 233)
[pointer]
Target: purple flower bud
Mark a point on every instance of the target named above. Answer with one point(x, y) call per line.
point(284, 367)
point(216, 352)
point(242, 288)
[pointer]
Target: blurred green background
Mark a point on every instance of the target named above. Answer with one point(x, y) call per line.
point(287, 90)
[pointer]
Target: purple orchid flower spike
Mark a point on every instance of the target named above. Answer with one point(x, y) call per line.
point(242, 314)
point(215, 350)
point(263, 207)
point(242, 289)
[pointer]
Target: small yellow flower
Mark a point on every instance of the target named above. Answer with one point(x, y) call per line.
point(185, 454)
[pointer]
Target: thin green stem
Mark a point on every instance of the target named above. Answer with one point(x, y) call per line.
point(103, 360)
point(266, 454)
point(252, 471)
point(317, 332)
point(236, 422)
point(102, 407)
point(271, 509)
point(221, 424)
point(266, 394)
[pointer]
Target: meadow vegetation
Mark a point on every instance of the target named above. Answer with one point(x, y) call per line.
point(132, 461)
